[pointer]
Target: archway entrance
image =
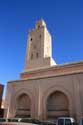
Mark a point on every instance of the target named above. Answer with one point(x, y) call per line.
point(23, 106)
point(57, 105)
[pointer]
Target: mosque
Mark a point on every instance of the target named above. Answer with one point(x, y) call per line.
point(45, 90)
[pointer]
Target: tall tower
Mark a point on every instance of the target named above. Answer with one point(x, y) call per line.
point(39, 50)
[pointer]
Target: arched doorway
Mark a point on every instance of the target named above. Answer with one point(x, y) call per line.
point(23, 106)
point(57, 105)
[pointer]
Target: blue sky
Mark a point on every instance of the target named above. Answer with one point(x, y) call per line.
point(64, 19)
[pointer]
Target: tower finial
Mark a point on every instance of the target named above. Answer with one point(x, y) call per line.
point(40, 23)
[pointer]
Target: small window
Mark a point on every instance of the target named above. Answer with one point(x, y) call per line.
point(68, 122)
point(38, 26)
point(31, 39)
point(32, 56)
point(60, 122)
point(37, 55)
point(40, 36)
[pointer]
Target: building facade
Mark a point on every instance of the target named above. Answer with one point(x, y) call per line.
point(1, 94)
point(45, 89)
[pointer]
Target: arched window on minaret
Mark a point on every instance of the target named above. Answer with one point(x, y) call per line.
point(31, 56)
point(37, 55)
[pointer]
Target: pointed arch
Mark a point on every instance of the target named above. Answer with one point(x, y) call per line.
point(23, 106)
point(57, 105)
point(23, 103)
point(54, 89)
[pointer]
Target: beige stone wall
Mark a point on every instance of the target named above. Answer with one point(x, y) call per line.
point(76, 67)
point(39, 89)
point(47, 44)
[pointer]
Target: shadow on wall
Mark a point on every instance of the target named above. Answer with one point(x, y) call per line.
point(1, 94)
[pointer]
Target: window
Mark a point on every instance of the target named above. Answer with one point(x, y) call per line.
point(61, 122)
point(40, 36)
point(37, 55)
point(32, 56)
point(38, 26)
point(68, 122)
point(31, 39)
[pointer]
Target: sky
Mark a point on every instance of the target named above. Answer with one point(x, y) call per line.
point(64, 20)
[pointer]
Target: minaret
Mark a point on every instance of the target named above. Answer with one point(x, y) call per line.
point(39, 50)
